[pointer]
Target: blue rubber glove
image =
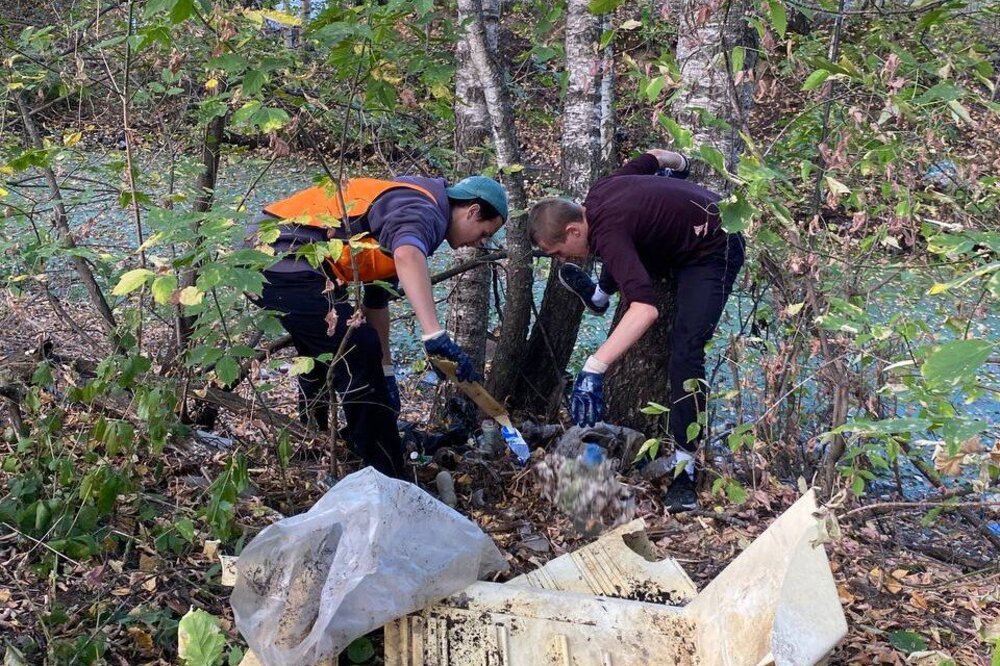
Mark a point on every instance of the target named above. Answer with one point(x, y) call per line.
point(393, 388)
point(587, 404)
point(444, 346)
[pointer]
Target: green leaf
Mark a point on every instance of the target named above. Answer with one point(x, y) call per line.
point(154, 6)
point(907, 641)
point(131, 281)
point(254, 81)
point(714, 158)
point(736, 213)
point(191, 296)
point(693, 430)
point(360, 651)
point(163, 288)
point(227, 370)
point(655, 87)
point(682, 136)
point(186, 529)
point(816, 79)
point(737, 58)
point(779, 17)
point(302, 365)
point(599, 7)
point(736, 493)
point(200, 642)
point(952, 363)
point(182, 10)
point(651, 446)
point(654, 409)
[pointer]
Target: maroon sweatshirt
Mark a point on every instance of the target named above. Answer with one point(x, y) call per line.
point(641, 224)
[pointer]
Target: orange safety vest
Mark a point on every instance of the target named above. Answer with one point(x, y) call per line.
point(320, 207)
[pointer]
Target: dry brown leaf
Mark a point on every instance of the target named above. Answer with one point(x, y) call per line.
point(147, 563)
point(150, 584)
point(4, 595)
point(919, 601)
point(945, 464)
point(141, 639)
point(972, 445)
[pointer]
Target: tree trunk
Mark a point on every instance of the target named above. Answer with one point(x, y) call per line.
point(640, 376)
point(609, 144)
point(517, 308)
point(469, 300)
point(60, 221)
point(211, 151)
point(554, 334)
point(704, 52)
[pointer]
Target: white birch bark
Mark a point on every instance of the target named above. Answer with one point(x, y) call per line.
point(708, 32)
point(469, 300)
point(517, 308)
point(554, 334)
point(606, 113)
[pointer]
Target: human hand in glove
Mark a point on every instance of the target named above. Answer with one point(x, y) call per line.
point(441, 344)
point(587, 404)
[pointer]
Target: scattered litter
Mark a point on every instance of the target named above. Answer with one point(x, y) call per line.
point(585, 487)
point(213, 440)
point(608, 603)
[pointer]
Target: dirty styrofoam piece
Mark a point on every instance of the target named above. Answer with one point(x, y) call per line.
point(775, 604)
point(621, 564)
point(489, 623)
point(777, 600)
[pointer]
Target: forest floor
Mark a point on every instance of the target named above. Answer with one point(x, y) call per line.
point(912, 592)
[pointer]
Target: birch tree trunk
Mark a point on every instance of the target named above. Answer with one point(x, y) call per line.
point(609, 145)
point(469, 300)
point(558, 324)
point(517, 308)
point(708, 33)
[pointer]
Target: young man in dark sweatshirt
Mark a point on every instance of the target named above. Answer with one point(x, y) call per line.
point(641, 225)
point(409, 217)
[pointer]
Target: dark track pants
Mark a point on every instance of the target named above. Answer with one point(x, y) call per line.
point(702, 290)
point(357, 375)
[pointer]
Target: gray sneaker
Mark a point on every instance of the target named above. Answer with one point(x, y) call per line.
point(576, 280)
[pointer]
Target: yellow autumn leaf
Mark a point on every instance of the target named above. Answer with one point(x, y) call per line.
point(191, 296)
point(283, 18)
point(441, 92)
point(212, 85)
point(72, 139)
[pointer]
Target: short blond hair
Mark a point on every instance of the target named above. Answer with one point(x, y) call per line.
point(548, 219)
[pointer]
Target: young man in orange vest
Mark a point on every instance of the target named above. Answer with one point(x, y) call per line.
point(642, 225)
point(403, 220)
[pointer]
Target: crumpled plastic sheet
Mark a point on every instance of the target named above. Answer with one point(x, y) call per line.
point(373, 549)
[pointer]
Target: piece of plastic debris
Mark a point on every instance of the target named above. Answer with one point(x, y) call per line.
point(446, 488)
point(775, 604)
point(371, 550)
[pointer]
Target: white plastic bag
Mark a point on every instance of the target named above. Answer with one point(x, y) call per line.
point(373, 549)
